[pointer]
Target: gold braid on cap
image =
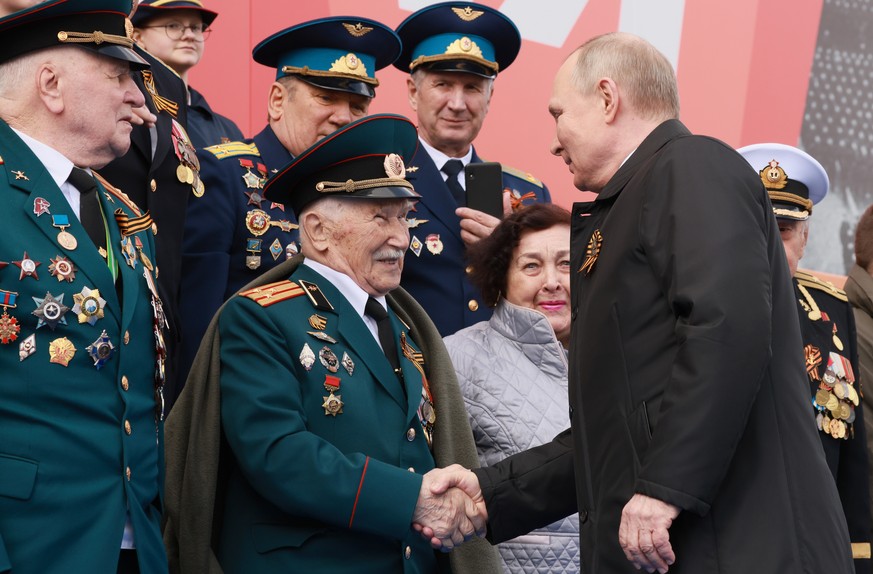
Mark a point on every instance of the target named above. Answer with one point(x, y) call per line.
point(791, 198)
point(95, 37)
point(351, 186)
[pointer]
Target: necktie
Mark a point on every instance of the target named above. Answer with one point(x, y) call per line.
point(386, 334)
point(89, 206)
point(452, 168)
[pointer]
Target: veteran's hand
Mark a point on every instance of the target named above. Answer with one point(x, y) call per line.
point(446, 515)
point(476, 225)
point(644, 533)
point(142, 115)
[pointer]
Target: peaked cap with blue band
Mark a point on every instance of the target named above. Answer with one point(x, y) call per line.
point(337, 53)
point(96, 25)
point(149, 9)
point(458, 37)
point(794, 179)
point(363, 160)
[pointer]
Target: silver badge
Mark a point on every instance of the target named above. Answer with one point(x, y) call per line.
point(307, 357)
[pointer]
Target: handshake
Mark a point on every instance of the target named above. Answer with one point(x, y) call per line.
point(450, 508)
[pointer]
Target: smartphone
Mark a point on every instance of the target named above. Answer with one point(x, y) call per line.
point(485, 187)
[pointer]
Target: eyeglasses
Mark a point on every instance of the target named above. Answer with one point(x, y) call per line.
point(175, 30)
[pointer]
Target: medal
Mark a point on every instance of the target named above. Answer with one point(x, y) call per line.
point(28, 267)
point(348, 364)
point(321, 336)
point(433, 243)
point(252, 180)
point(88, 305)
point(415, 246)
point(317, 321)
point(257, 222)
point(291, 250)
point(27, 347)
point(837, 343)
point(328, 359)
point(50, 310)
point(101, 350)
point(61, 351)
point(307, 357)
point(128, 251)
point(62, 269)
point(9, 327)
point(276, 249)
point(253, 246)
point(65, 239)
point(255, 198)
point(333, 404)
point(142, 256)
point(40, 206)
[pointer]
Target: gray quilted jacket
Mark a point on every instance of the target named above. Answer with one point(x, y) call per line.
point(513, 374)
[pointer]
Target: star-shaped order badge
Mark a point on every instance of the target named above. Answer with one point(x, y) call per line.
point(50, 310)
point(101, 350)
point(88, 305)
point(62, 269)
point(28, 267)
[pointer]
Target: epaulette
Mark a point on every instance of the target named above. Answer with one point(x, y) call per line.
point(810, 280)
point(272, 293)
point(522, 175)
point(231, 149)
point(118, 194)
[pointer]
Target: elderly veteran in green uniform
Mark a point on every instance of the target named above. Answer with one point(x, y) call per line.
point(336, 393)
point(325, 78)
point(795, 182)
point(80, 343)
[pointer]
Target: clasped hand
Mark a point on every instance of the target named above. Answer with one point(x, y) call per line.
point(450, 508)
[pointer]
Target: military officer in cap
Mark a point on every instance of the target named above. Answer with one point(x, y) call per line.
point(345, 399)
point(176, 31)
point(325, 78)
point(81, 349)
point(453, 52)
point(796, 182)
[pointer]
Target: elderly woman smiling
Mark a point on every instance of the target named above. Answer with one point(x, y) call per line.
point(513, 368)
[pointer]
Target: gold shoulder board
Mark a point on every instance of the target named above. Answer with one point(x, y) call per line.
point(811, 281)
point(272, 293)
point(232, 149)
point(522, 175)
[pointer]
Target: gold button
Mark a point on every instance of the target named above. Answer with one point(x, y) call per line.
point(473, 305)
point(126, 337)
point(154, 228)
point(410, 435)
point(469, 269)
point(408, 552)
point(124, 384)
point(127, 428)
point(410, 469)
point(153, 185)
point(127, 473)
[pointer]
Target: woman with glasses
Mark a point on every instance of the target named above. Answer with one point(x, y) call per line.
point(175, 31)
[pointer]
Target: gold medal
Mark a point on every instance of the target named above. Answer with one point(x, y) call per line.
point(61, 351)
point(833, 403)
point(837, 343)
point(189, 175)
point(67, 240)
point(853, 395)
point(182, 173)
point(821, 397)
point(333, 404)
point(844, 411)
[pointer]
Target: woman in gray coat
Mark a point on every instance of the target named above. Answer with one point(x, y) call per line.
point(512, 369)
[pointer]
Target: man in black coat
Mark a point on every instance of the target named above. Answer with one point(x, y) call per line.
point(693, 446)
point(155, 174)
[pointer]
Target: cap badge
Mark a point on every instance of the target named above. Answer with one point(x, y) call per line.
point(467, 14)
point(774, 176)
point(394, 167)
point(464, 46)
point(349, 64)
point(357, 30)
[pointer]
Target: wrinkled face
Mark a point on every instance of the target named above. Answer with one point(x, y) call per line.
point(181, 54)
point(369, 238)
point(539, 276)
point(794, 236)
point(451, 107)
point(98, 96)
point(310, 113)
point(578, 131)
